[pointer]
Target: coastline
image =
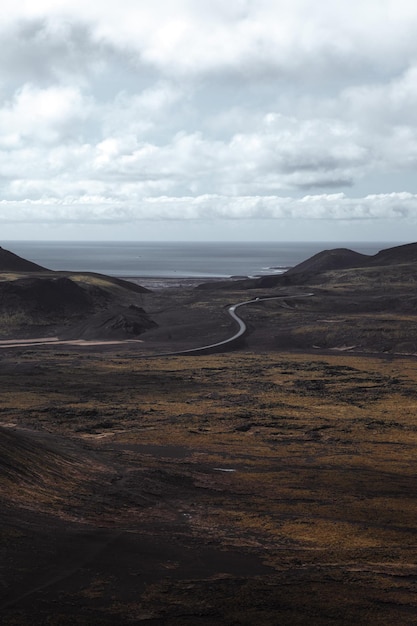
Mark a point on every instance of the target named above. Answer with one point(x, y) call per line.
point(202, 261)
point(161, 282)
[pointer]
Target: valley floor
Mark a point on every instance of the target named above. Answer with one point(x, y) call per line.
point(243, 488)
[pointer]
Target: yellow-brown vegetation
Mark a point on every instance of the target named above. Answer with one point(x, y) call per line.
point(305, 463)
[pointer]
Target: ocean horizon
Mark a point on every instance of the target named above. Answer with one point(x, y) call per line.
point(150, 259)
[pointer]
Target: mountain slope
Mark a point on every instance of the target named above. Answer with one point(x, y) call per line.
point(34, 301)
point(343, 258)
point(10, 262)
point(336, 259)
point(395, 256)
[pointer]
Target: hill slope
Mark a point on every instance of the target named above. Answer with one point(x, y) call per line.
point(336, 259)
point(10, 262)
point(35, 301)
point(340, 259)
point(397, 255)
point(343, 258)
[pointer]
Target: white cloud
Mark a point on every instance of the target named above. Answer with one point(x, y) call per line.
point(225, 110)
point(41, 114)
point(251, 36)
point(140, 114)
point(390, 103)
point(100, 209)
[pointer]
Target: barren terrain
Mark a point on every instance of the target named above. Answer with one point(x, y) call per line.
point(273, 484)
point(227, 489)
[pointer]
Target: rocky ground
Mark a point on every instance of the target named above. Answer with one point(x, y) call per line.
point(270, 485)
point(241, 488)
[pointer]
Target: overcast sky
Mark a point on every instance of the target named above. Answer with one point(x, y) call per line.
point(244, 120)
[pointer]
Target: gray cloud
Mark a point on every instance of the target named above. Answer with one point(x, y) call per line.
point(213, 111)
point(44, 51)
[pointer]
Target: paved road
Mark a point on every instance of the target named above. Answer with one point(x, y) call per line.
point(211, 348)
point(242, 328)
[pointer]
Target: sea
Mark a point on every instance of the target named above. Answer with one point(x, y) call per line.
point(178, 260)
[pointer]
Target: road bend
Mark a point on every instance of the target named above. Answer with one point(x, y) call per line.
point(211, 348)
point(228, 343)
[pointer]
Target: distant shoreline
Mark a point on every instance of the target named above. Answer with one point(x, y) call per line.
point(162, 282)
point(176, 264)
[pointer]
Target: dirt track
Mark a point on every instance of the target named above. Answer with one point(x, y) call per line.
point(46, 341)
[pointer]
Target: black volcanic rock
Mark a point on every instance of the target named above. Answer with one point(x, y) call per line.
point(10, 262)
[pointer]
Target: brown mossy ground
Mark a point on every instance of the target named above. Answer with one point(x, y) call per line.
point(245, 488)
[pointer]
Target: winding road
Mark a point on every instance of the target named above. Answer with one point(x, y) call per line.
point(242, 327)
point(208, 349)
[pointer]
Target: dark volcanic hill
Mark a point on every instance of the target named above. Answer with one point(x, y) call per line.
point(326, 261)
point(73, 306)
point(35, 300)
point(336, 259)
point(48, 297)
point(343, 258)
point(394, 256)
point(112, 324)
point(10, 262)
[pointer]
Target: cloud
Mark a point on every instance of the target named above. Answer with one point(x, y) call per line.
point(49, 49)
point(99, 209)
point(224, 110)
point(292, 157)
point(43, 115)
point(248, 37)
